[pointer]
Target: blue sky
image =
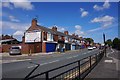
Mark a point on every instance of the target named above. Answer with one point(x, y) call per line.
point(87, 19)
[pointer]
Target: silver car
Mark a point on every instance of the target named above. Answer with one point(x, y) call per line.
point(14, 50)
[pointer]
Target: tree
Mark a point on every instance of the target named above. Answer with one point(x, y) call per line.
point(90, 40)
point(109, 42)
point(116, 43)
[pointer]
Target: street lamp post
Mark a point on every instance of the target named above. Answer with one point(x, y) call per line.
point(104, 44)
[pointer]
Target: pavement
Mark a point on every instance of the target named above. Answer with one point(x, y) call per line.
point(48, 62)
point(108, 68)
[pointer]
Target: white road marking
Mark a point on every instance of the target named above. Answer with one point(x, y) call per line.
point(59, 60)
point(114, 60)
point(9, 61)
point(69, 57)
point(24, 60)
point(53, 61)
point(76, 56)
point(85, 53)
point(43, 64)
point(63, 53)
point(32, 66)
point(49, 62)
point(109, 61)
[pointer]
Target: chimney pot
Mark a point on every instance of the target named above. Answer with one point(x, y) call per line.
point(73, 34)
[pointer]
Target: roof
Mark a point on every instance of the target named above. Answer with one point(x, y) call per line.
point(6, 40)
point(42, 28)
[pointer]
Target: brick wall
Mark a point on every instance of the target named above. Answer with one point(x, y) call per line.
point(25, 48)
point(55, 37)
point(43, 47)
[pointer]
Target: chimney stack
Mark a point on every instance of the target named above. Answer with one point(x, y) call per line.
point(66, 32)
point(76, 35)
point(54, 28)
point(73, 34)
point(34, 23)
point(23, 39)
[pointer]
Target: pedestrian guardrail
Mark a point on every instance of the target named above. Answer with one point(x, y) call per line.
point(80, 70)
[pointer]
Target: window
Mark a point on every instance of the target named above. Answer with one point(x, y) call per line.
point(66, 39)
point(70, 39)
point(45, 35)
point(49, 36)
point(59, 37)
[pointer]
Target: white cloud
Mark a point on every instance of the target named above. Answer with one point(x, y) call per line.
point(0, 26)
point(15, 26)
point(24, 4)
point(102, 28)
point(78, 30)
point(96, 29)
point(59, 28)
point(12, 18)
point(18, 33)
point(106, 5)
point(81, 9)
point(0, 14)
point(19, 28)
point(105, 20)
point(78, 27)
point(7, 5)
point(0, 5)
point(83, 12)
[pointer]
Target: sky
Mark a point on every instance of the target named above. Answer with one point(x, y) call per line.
point(86, 19)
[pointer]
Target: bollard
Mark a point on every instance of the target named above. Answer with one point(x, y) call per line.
point(30, 53)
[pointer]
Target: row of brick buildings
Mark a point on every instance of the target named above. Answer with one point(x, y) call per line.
point(41, 39)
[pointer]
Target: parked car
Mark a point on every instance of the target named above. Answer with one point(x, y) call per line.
point(90, 48)
point(15, 50)
point(94, 47)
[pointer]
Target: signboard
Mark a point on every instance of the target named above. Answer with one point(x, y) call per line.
point(32, 37)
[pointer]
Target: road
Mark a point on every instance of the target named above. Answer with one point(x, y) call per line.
point(21, 69)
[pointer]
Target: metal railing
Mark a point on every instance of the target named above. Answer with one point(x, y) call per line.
point(80, 70)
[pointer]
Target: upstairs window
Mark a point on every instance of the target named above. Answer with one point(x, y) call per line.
point(45, 35)
point(59, 37)
point(49, 36)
